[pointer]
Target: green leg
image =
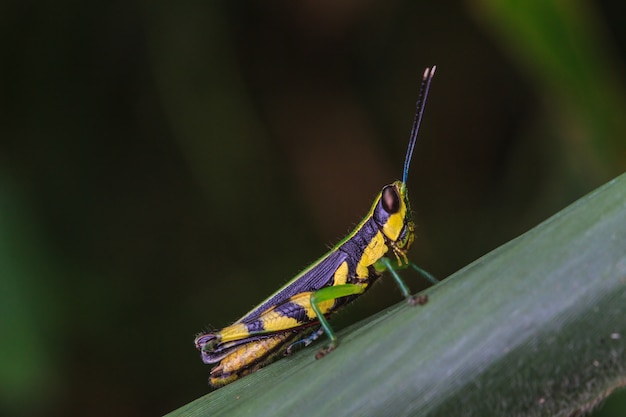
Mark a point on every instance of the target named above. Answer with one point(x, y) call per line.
point(386, 264)
point(424, 273)
point(325, 294)
point(406, 292)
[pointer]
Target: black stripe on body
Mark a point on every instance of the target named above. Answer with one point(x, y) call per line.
point(380, 215)
point(293, 311)
point(255, 326)
point(287, 309)
point(319, 276)
point(355, 246)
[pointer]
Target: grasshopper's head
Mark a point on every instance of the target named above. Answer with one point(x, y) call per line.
point(392, 210)
point(392, 214)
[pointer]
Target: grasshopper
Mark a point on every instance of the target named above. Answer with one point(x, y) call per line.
point(297, 313)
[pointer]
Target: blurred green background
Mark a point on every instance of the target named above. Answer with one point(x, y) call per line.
point(164, 166)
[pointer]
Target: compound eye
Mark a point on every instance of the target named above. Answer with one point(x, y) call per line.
point(390, 199)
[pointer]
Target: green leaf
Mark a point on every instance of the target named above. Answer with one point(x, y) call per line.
point(535, 328)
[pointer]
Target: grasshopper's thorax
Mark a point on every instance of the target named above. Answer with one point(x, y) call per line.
point(392, 214)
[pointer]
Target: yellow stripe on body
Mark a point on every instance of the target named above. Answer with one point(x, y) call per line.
point(236, 331)
point(341, 274)
point(304, 301)
point(375, 250)
point(394, 225)
point(274, 321)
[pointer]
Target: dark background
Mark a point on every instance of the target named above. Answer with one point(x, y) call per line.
point(164, 166)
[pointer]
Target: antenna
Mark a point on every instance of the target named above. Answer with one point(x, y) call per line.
point(429, 73)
